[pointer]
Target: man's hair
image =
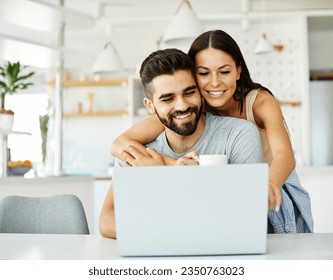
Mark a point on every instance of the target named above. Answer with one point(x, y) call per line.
point(163, 62)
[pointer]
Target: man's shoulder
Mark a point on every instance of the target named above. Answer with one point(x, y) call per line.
point(158, 142)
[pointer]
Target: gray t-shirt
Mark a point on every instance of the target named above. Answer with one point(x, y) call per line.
point(237, 138)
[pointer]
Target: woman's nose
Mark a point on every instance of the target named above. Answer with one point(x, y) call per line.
point(215, 81)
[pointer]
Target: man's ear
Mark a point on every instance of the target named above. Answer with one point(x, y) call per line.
point(149, 105)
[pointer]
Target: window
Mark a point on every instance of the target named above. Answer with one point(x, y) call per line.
point(27, 108)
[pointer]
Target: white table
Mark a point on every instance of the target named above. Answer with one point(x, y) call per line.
point(95, 247)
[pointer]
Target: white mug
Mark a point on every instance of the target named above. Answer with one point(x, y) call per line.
point(213, 159)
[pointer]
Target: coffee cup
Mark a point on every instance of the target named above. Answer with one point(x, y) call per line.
point(213, 159)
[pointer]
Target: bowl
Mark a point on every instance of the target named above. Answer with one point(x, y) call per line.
point(18, 171)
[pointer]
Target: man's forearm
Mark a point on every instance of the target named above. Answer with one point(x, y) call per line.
point(107, 225)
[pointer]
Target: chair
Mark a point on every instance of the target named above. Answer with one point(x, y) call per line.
point(59, 214)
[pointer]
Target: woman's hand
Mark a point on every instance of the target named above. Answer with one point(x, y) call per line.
point(274, 197)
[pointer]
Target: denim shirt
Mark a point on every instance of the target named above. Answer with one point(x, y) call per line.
point(295, 214)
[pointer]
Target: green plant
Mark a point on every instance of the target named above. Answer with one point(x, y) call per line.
point(11, 80)
point(44, 127)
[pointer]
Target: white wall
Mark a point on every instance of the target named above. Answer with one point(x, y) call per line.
point(320, 42)
point(318, 181)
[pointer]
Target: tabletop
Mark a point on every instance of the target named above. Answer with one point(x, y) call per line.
point(95, 247)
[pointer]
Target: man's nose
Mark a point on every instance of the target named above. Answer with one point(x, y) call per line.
point(181, 104)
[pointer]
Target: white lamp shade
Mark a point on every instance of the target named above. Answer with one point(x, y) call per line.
point(263, 45)
point(184, 26)
point(107, 61)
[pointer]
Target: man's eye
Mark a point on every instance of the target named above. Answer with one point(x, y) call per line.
point(166, 99)
point(190, 92)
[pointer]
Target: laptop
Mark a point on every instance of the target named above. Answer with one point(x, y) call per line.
point(191, 210)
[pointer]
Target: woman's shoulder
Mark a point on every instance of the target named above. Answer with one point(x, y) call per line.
point(265, 107)
point(264, 96)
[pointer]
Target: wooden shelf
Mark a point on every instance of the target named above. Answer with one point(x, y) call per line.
point(293, 103)
point(95, 114)
point(91, 83)
point(321, 76)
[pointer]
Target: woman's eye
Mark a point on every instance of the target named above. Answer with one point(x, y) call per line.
point(202, 73)
point(225, 72)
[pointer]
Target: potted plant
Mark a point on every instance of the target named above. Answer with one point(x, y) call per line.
point(11, 80)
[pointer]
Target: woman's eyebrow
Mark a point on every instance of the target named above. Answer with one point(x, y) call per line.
point(223, 66)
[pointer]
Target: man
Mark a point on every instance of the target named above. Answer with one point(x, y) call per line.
point(168, 77)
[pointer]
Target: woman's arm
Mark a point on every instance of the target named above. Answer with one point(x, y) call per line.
point(137, 136)
point(268, 115)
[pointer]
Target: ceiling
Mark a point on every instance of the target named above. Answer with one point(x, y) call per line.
point(152, 16)
point(126, 9)
point(123, 20)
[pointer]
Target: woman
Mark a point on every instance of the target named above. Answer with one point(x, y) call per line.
point(228, 90)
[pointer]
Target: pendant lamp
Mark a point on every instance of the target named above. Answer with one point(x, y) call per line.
point(263, 45)
point(107, 61)
point(184, 26)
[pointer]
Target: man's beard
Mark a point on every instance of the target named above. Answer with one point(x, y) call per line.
point(184, 129)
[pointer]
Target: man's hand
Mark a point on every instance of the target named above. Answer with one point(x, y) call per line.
point(148, 157)
point(190, 158)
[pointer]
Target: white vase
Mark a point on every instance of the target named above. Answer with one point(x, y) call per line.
point(6, 121)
